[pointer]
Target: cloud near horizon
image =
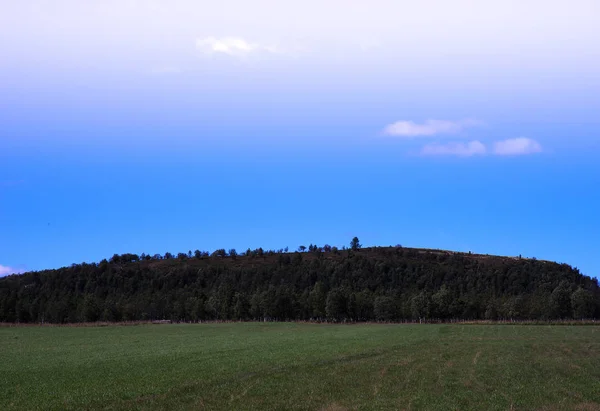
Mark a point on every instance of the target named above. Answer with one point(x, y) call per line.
point(233, 46)
point(410, 129)
point(406, 130)
point(517, 147)
point(472, 148)
point(4, 271)
point(510, 147)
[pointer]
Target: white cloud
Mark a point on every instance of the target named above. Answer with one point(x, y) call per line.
point(8, 270)
point(511, 147)
point(233, 46)
point(469, 149)
point(469, 46)
point(516, 147)
point(409, 129)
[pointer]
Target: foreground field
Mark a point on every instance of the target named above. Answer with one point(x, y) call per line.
point(300, 366)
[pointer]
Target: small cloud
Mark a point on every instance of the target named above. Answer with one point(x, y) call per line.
point(470, 149)
point(233, 46)
point(517, 147)
point(409, 129)
point(8, 270)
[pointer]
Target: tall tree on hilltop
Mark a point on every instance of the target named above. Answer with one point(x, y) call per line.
point(354, 244)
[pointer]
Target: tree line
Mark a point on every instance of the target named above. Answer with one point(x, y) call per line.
point(321, 283)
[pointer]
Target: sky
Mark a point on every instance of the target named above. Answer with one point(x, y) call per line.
point(155, 126)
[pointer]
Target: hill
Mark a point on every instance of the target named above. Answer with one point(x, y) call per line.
point(324, 283)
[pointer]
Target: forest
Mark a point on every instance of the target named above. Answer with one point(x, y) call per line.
point(388, 284)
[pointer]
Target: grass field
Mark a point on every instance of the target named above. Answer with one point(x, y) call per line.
point(256, 366)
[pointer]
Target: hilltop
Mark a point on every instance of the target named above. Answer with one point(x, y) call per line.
point(321, 283)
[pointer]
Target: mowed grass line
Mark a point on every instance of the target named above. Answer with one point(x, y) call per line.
point(259, 366)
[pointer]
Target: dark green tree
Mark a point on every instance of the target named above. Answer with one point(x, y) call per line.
point(384, 308)
point(441, 301)
point(336, 306)
point(91, 309)
point(560, 301)
point(317, 301)
point(420, 306)
point(582, 302)
point(241, 307)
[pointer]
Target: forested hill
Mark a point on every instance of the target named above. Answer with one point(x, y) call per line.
point(322, 283)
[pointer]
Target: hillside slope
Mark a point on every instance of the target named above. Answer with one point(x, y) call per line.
point(380, 283)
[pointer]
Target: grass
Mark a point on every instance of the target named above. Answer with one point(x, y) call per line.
point(262, 366)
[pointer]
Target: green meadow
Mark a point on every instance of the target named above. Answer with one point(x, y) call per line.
point(295, 366)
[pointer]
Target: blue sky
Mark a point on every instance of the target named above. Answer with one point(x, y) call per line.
point(173, 126)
